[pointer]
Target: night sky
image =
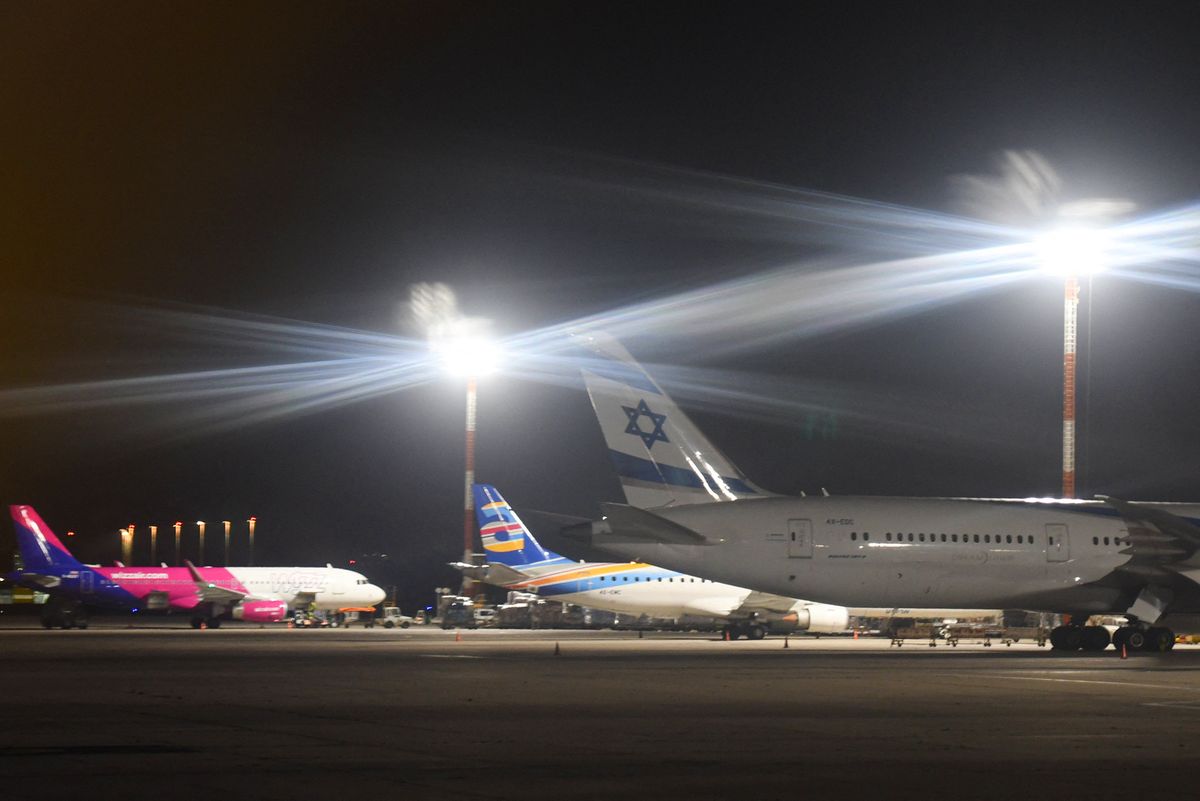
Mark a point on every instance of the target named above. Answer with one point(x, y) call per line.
point(309, 162)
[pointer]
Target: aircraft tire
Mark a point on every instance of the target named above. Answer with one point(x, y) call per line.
point(1095, 638)
point(755, 633)
point(1066, 638)
point(1136, 640)
point(214, 622)
point(1159, 639)
point(196, 621)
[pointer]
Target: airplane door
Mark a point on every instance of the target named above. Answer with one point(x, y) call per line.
point(85, 582)
point(800, 543)
point(1058, 543)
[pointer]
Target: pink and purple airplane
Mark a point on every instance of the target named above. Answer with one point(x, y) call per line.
point(207, 594)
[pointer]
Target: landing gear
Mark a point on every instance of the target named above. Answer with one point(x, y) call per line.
point(1160, 639)
point(751, 631)
point(201, 622)
point(1095, 638)
point(1155, 639)
point(1066, 638)
point(60, 614)
point(1076, 638)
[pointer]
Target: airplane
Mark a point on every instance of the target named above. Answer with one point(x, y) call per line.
point(517, 561)
point(691, 509)
point(255, 594)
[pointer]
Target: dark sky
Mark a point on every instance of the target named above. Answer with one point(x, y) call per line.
point(311, 161)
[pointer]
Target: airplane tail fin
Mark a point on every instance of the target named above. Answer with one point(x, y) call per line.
point(507, 540)
point(40, 549)
point(662, 458)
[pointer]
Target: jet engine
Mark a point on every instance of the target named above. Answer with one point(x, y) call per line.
point(260, 611)
point(822, 619)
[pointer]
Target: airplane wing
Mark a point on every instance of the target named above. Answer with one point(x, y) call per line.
point(754, 605)
point(765, 602)
point(207, 592)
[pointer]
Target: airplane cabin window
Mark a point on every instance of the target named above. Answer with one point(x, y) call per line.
point(943, 538)
point(888, 535)
point(1008, 538)
point(866, 535)
point(853, 535)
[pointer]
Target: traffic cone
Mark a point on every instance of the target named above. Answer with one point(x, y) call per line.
point(457, 635)
point(203, 625)
point(640, 634)
point(1124, 655)
point(785, 643)
point(726, 635)
point(556, 649)
point(856, 634)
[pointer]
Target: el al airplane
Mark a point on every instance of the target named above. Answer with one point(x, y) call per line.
point(691, 509)
point(517, 561)
point(258, 594)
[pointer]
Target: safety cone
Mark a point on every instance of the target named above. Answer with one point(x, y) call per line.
point(640, 634)
point(557, 651)
point(726, 635)
point(203, 625)
point(785, 643)
point(457, 635)
point(856, 634)
point(1124, 655)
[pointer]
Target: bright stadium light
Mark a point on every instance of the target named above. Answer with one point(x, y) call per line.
point(468, 355)
point(1073, 252)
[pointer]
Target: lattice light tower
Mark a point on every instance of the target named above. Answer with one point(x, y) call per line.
point(1070, 339)
point(1070, 253)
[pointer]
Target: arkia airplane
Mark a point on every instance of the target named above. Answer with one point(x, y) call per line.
point(259, 594)
point(691, 509)
point(516, 561)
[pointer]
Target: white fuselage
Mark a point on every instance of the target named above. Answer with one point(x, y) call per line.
point(329, 587)
point(899, 552)
point(642, 589)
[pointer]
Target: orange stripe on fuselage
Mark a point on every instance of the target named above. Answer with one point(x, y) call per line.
point(582, 573)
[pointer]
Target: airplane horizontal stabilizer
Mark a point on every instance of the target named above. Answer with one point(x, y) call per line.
point(628, 522)
point(492, 573)
point(1156, 535)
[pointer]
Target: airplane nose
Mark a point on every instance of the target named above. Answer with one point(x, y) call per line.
point(377, 595)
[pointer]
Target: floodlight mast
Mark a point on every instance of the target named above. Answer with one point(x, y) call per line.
point(1070, 339)
point(468, 585)
point(1070, 252)
point(467, 354)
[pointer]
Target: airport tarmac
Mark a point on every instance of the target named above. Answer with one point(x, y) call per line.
point(269, 713)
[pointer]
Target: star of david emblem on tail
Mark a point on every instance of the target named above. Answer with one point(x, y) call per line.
point(656, 420)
